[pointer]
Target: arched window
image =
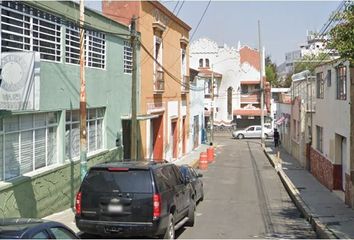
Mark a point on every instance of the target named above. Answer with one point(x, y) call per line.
point(207, 62)
point(201, 62)
point(229, 101)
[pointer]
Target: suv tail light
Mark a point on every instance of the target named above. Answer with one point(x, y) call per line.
point(157, 205)
point(78, 204)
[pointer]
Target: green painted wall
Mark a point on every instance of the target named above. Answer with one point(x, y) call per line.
point(46, 193)
point(110, 88)
point(54, 190)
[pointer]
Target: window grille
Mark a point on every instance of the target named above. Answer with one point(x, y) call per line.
point(320, 85)
point(94, 124)
point(27, 142)
point(24, 28)
point(341, 82)
point(128, 57)
point(95, 47)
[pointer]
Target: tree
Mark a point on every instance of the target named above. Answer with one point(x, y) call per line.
point(310, 62)
point(342, 35)
point(271, 72)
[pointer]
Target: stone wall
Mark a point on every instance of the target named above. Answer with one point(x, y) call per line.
point(46, 192)
point(330, 175)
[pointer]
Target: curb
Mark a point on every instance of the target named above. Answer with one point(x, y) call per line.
point(321, 230)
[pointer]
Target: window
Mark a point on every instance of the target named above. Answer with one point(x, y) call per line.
point(158, 52)
point(183, 62)
point(95, 47)
point(62, 233)
point(319, 135)
point(329, 78)
point(27, 142)
point(341, 82)
point(319, 85)
point(201, 62)
point(206, 62)
point(128, 57)
point(94, 121)
point(24, 28)
point(244, 89)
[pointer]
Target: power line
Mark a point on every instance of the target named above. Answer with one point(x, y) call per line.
point(145, 59)
point(174, 78)
point(325, 30)
point(200, 20)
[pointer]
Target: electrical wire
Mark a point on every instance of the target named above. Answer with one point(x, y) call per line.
point(325, 30)
point(174, 78)
point(200, 20)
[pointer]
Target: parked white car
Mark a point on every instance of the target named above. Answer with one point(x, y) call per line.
point(252, 132)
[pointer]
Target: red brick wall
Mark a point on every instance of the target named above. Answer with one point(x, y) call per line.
point(330, 175)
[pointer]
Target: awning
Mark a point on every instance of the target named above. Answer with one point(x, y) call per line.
point(280, 120)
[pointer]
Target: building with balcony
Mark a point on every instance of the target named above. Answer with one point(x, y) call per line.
point(237, 96)
point(164, 87)
point(39, 102)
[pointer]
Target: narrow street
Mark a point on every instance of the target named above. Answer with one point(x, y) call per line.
point(244, 198)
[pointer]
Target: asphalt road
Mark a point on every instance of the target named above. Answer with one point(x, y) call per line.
point(244, 198)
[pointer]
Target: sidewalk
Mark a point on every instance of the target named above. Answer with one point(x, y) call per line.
point(326, 212)
point(67, 216)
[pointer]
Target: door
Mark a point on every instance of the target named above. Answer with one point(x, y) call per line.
point(258, 132)
point(249, 133)
point(343, 159)
point(184, 136)
point(151, 140)
point(121, 195)
point(126, 138)
point(174, 138)
point(196, 132)
point(158, 138)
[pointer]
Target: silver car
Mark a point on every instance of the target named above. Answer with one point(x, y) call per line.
point(254, 131)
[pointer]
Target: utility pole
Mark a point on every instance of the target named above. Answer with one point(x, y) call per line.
point(262, 83)
point(83, 131)
point(212, 106)
point(134, 137)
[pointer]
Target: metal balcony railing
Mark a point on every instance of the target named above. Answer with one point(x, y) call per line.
point(185, 84)
point(159, 84)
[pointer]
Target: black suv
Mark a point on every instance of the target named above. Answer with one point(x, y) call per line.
point(134, 199)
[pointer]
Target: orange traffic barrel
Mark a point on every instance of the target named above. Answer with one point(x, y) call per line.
point(210, 154)
point(203, 161)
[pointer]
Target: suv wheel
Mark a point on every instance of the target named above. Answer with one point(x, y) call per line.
point(191, 214)
point(170, 231)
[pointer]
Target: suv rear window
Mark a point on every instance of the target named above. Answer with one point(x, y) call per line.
point(132, 181)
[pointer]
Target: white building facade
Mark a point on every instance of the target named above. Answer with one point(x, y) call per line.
point(237, 95)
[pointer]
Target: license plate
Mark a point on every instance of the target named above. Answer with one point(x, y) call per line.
point(115, 208)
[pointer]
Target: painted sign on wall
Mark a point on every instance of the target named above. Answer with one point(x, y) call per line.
point(19, 88)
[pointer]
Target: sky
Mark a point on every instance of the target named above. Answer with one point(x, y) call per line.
point(283, 23)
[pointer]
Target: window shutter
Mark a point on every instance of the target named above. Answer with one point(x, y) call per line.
point(39, 148)
point(52, 146)
point(26, 151)
point(92, 136)
point(75, 140)
point(99, 134)
point(12, 156)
